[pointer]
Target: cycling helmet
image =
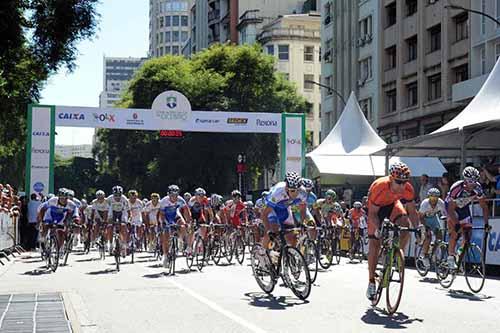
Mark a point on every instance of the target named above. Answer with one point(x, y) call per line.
point(84, 203)
point(71, 193)
point(265, 194)
point(155, 195)
point(100, 194)
point(236, 193)
point(307, 183)
point(331, 194)
point(173, 189)
point(200, 191)
point(215, 199)
point(132, 192)
point(117, 190)
point(292, 180)
point(187, 196)
point(249, 204)
point(470, 174)
point(357, 204)
point(434, 192)
point(62, 193)
point(399, 171)
point(337, 208)
point(50, 195)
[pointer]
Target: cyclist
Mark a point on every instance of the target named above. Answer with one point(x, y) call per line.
point(324, 207)
point(99, 214)
point(431, 209)
point(78, 203)
point(135, 216)
point(170, 214)
point(278, 207)
point(457, 203)
point(260, 204)
point(187, 196)
point(200, 212)
point(151, 211)
point(85, 214)
point(235, 210)
point(56, 211)
point(308, 185)
point(356, 214)
point(217, 206)
point(118, 215)
point(386, 198)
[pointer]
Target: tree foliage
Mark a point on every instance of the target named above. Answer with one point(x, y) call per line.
point(79, 174)
point(221, 78)
point(37, 37)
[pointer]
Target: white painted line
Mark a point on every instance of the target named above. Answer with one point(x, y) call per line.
point(6, 309)
point(34, 313)
point(218, 308)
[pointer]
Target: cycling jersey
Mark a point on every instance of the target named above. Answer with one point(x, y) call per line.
point(136, 212)
point(260, 203)
point(152, 211)
point(324, 206)
point(355, 215)
point(172, 210)
point(118, 209)
point(432, 214)
point(99, 207)
point(463, 198)
point(56, 213)
point(235, 212)
point(279, 200)
point(198, 208)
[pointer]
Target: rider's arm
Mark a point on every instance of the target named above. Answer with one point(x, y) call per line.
point(484, 206)
point(373, 214)
point(451, 212)
point(489, 175)
point(265, 214)
point(412, 212)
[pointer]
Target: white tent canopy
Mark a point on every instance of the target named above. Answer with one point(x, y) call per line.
point(476, 129)
point(347, 149)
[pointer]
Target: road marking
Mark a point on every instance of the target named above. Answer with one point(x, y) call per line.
point(218, 308)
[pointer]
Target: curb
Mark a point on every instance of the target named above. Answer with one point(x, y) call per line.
point(77, 314)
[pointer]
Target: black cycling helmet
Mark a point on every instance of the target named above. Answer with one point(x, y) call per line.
point(292, 180)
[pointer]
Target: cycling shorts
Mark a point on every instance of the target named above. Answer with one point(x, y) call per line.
point(393, 212)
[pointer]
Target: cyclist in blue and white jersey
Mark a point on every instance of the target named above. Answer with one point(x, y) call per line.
point(458, 205)
point(278, 211)
point(170, 215)
point(56, 211)
point(308, 185)
point(260, 204)
point(118, 214)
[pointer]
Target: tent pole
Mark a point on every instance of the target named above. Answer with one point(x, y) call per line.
point(463, 151)
point(387, 157)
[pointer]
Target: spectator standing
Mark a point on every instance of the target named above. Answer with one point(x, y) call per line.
point(347, 195)
point(424, 187)
point(444, 185)
point(32, 233)
point(495, 180)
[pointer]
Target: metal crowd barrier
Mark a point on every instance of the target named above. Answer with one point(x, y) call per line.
point(9, 236)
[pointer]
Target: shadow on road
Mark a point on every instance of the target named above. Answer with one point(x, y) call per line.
point(31, 261)
point(102, 271)
point(155, 275)
point(460, 294)
point(271, 302)
point(38, 271)
point(87, 260)
point(396, 321)
point(429, 280)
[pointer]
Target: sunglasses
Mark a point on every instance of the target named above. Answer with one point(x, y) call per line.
point(400, 182)
point(292, 190)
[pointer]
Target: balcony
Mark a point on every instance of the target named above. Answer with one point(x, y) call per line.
point(213, 16)
point(250, 17)
point(288, 33)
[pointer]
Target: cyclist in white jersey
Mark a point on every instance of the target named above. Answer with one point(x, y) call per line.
point(151, 212)
point(118, 214)
point(99, 214)
point(135, 213)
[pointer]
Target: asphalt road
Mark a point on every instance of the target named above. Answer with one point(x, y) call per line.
point(140, 298)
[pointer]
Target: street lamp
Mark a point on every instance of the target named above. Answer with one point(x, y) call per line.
point(330, 89)
point(452, 6)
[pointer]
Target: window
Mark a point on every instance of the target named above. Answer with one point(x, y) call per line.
point(328, 13)
point(184, 36)
point(365, 69)
point(434, 83)
point(483, 60)
point(429, 128)
point(168, 21)
point(390, 101)
point(366, 107)
point(283, 52)
point(175, 21)
point(167, 49)
point(461, 73)
point(430, 2)
point(365, 28)
point(161, 22)
point(329, 83)
point(286, 76)
point(184, 20)
point(412, 48)
point(411, 7)
point(161, 51)
point(270, 49)
point(175, 50)
point(483, 18)
point(461, 27)
point(390, 58)
point(408, 133)
point(157, 39)
point(167, 37)
point(175, 36)
point(308, 85)
point(498, 12)
point(390, 14)
point(497, 51)
point(328, 56)
point(412, 94)
point(161, 37)
point(435, 38)
point(309, 53)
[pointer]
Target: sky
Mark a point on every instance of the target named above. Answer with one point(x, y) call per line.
point(123, 31)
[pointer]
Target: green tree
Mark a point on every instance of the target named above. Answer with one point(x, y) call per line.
point(78, 173)
point(221, 78)
point(37, 38)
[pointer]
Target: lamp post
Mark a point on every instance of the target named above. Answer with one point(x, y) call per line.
point(330, 89)
point(241, 168)
point(452, 6)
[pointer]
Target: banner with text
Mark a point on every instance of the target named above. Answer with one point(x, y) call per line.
point(293, 143)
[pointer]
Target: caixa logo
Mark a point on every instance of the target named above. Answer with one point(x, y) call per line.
point(294, 141)
point(104, 117)
point(40, 133)
point(72, 116)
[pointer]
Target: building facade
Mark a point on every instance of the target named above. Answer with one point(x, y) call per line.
point(116, 74)
point(70, 151)
point(350, 58)
point(294, 41)
point(169, 26)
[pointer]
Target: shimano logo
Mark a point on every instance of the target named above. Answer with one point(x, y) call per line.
point(72, 116)
point(266, 123)
point(207, 121)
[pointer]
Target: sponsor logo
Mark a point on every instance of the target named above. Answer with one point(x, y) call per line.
point(40, 151)
point(39, 167)
point(40, 133)
point(72, 116)
point(171, 115)
point(237, 121)
point(38, 187)
point(109, 117)
point(135, 121)
point(294, 141)
point(171, 102)
point(266, 123)
point(293, 158)
point(207, 121)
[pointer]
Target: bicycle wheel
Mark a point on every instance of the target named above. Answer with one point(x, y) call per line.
point(311, 258)
point(262, 268)
point(361, 250)
point(199, 253)
point(53, 254)
point(132, 247)
point(474, 268)
point(68, 245)
point(190, 258)
point(116, 252)
point(296, 273)
point(419, 263)
point(239, 250)
point(171, 258)
point(379, 276)
point(325, 253)
point(228, 248)
point(395, 281)
point(440, 261)
point(336, 250)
